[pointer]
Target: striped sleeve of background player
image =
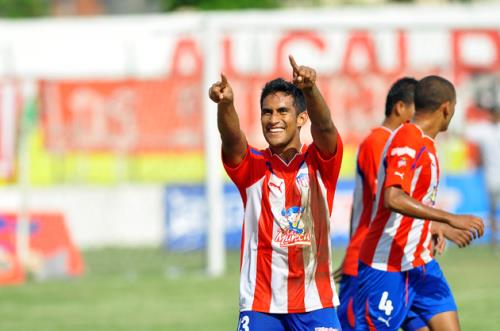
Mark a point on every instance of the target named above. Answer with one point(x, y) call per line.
point(328, 168)
point(367, 163)
point(401, 157)
point(250, 169)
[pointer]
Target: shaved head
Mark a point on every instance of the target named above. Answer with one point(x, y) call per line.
point(431, 92)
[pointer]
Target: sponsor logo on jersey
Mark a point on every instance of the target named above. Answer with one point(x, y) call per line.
point(292, 232)
point(400, 151)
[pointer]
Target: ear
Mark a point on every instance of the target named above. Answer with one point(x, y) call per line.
point(446, 109)
point(302, 119)
point(398, 108)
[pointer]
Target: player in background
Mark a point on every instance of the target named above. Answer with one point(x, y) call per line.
point(286, 279)
point(486, 136)
point(397, 272)
point(399, 108)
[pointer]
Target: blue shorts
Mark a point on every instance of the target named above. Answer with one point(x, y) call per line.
point(347, 290)
point(347, 317)
point(322, 320)
point(384, 299)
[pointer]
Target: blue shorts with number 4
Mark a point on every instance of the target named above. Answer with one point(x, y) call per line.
point(384, 299)
point(347, 316)
point(316, 320)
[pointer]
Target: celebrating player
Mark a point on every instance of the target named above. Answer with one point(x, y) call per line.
point(397, 272)
point(286, 280)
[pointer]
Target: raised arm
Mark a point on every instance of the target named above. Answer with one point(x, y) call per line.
point(234, 143)
point(323, 131)
point(397, 200)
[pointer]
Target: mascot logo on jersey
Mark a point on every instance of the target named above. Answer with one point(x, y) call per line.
point(291, 231)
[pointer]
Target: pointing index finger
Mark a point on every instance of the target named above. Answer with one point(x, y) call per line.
point(223, 80)
point(293, 63)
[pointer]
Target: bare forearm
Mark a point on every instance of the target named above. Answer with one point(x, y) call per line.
point(318, 110)
point(323, 130)
point(228, 122)
point(398, 201)
point(233, 140)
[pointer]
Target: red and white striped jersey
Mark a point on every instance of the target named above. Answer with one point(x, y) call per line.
point(395, 242)
point(365, 189)
point(285, 249)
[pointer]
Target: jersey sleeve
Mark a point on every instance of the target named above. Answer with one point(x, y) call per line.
point(367, 164)
point(401, 158)
point(250, 169)
point(329, 169)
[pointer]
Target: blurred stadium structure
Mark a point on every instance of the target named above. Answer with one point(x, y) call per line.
point(106, 120)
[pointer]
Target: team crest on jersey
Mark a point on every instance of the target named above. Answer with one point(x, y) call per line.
point(402, 163)
point(303, 180)
point(434, 195)
point(291, 231)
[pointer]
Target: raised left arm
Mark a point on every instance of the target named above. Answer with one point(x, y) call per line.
point(323, 130)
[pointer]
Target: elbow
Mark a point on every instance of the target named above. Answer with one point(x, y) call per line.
point(388, 204)
point(391, 200)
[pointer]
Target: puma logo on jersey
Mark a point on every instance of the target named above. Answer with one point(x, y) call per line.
point(277, 186)
point(400, 174)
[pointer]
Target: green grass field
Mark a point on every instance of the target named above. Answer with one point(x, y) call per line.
point(141, 290)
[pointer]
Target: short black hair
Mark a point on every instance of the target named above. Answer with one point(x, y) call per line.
point(431, 92)
point(281, 85)
point(402, 90)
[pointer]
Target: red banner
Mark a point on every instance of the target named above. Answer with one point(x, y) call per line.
point(355, 69)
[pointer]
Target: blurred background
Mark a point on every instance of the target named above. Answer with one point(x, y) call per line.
point(115, 213)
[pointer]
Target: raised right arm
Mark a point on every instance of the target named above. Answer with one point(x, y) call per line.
point(234, 144)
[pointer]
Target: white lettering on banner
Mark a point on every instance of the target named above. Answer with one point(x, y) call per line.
point(97, 118)
point(355, 68)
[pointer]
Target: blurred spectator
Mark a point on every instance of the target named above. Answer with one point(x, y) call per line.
point(486, 135)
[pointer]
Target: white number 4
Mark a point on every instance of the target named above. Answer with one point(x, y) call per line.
point(244, 322)
point(385, 305)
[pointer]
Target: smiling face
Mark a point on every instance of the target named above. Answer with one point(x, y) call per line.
point(280, 122)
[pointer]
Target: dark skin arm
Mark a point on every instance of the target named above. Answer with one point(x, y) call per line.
point(234, 143)
point(397, 200)
point(461, 238)
point(323, 131)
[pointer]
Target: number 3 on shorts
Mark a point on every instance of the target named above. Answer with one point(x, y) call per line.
point(385, 305)
point(243, 324)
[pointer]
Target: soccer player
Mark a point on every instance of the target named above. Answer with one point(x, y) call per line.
point(399, 108)
point(286, 278)
point(486, 136)
point(397, 272)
